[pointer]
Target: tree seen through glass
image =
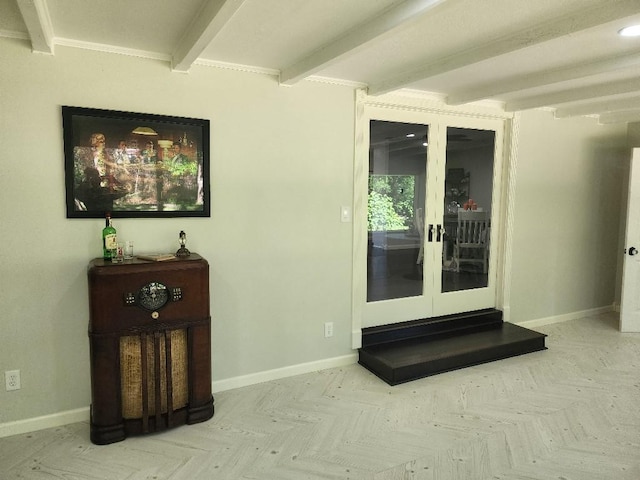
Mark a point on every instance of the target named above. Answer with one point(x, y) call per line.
point(391, 202)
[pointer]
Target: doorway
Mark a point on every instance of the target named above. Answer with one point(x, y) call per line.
point(430, 209)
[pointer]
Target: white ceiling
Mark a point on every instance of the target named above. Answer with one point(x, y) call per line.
point(563, 54)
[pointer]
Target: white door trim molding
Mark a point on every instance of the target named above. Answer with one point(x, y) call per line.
point(359, 175)
point(411, 101)
point(503, 289)
point(408, 101)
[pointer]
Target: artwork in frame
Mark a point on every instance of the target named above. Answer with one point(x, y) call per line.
point(135, 164)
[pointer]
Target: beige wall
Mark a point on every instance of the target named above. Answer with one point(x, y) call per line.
point(282, 165)
point(282, 162)
point(633, 134)
point(567, 211)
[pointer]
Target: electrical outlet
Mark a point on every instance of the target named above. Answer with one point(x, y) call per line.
point(12, 380)
point(328, 329)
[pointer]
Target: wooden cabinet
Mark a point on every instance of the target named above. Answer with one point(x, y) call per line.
point(150, 346)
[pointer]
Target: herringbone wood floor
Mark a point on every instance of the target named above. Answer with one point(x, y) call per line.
point(571, 412)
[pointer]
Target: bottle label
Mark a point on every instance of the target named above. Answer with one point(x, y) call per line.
point(110, 241)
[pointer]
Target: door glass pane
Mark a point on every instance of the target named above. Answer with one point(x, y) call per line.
point(395, 213)
point(467, 208)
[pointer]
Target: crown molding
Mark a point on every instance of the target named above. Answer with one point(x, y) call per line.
point(333, 81)
point(238, 67)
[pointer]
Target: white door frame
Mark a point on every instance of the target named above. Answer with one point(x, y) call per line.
point(425, 107)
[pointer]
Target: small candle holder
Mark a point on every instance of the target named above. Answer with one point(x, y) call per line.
point(183, 251)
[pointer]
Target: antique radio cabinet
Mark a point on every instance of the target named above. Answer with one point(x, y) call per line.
point(150, 346)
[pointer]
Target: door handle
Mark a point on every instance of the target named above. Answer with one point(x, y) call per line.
point(439, 233)
point(430, 233)
point(633, 251)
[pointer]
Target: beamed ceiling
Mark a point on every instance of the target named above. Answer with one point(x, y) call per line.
point(561, 54)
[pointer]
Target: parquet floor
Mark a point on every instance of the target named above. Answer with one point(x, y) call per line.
point(568, 413)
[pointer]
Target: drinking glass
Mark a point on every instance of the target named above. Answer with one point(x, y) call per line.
point(128, 250)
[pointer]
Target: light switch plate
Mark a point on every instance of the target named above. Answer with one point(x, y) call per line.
point(345, 214)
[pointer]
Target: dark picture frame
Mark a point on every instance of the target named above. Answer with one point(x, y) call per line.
point(135, 165)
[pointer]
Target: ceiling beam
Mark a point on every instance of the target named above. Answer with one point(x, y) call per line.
point(621, 117)
point(35, 14)
point(575, 95)
point(205, 26)
point(356, 39)
point(599, 107)
point(529, 81)
point(555, 28)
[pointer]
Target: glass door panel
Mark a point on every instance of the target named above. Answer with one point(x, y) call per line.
point(470, 209)
point(416, 173)
point(468, 194)
point(396, 209)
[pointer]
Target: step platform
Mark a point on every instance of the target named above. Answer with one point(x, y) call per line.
point(408, 351)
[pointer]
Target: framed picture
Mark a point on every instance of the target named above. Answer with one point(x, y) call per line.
point(135, 164)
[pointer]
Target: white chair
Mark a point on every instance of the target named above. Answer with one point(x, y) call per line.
point(472, 240)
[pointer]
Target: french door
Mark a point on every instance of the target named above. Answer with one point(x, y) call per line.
point(431, 200)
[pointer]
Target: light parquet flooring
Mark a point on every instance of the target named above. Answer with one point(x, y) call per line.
point(571, 412)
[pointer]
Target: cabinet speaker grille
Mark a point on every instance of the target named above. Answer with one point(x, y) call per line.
point(154, 373)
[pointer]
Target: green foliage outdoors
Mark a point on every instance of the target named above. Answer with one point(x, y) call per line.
point(391, 200)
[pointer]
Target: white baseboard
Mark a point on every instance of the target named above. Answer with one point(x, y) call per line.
point(46, 421)
point(82, 414)
point(278, 373)
point(564, 318)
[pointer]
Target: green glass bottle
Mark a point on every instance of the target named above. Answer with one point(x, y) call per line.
point(108, 238)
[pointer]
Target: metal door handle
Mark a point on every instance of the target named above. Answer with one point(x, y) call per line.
point(430, 233)
point(633, 251)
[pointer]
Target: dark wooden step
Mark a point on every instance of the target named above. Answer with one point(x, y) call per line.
point(408, 359)
point(437, 327)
